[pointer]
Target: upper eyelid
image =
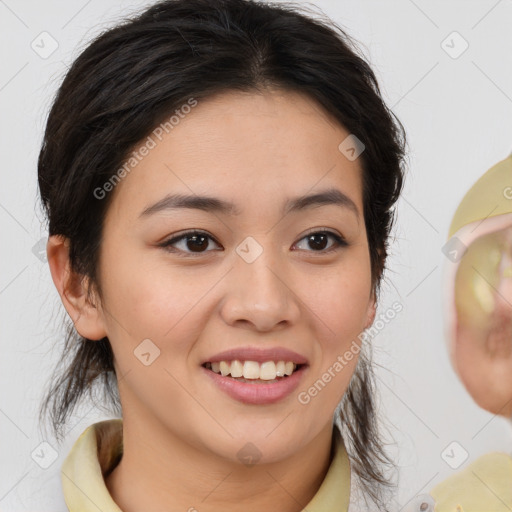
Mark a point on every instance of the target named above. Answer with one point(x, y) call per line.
point(178, 238)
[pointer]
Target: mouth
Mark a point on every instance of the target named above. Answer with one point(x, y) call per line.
point(253, 383)
point(254, 372)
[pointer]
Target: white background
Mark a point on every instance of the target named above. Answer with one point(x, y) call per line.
point(458, 117)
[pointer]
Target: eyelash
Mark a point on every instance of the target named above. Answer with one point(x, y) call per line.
point(340, 242)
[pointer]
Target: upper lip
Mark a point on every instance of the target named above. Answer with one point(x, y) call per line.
point(257, 354)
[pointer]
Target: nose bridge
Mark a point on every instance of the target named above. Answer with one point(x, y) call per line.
point(258, 292)
point(258, 269)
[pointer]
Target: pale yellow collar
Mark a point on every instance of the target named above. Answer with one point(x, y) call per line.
point(99, 447)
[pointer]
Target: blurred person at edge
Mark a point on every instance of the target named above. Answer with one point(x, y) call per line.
point(478, 331)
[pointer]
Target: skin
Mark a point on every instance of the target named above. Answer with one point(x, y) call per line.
point(482, 346)
point(182, 434)
point(485, 364)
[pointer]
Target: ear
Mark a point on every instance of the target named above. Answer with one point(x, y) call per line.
point(371, 311)
point(72, 288)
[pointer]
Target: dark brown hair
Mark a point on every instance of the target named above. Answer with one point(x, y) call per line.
point(131, 77)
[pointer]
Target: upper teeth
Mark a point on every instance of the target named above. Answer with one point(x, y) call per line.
point(268, 370)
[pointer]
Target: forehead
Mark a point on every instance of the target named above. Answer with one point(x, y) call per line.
point(246, 148)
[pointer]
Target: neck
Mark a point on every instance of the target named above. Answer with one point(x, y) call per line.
point(164, 472)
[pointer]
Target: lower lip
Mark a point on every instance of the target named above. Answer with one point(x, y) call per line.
point(257, 393)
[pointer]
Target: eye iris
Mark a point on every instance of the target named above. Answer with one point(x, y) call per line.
point(195, 245)
point(316, 245)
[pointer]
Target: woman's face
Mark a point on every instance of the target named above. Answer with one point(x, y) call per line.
point(253, 279)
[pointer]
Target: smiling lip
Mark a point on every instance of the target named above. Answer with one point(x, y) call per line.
point(258, 354)
point(257, 393)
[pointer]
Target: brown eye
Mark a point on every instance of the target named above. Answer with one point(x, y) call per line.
point(191, 242)
point(319, 239)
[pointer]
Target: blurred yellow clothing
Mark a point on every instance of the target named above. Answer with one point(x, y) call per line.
point(484, 486)
point(99, 449)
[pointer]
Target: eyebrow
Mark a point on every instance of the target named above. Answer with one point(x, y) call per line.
point(330, 196)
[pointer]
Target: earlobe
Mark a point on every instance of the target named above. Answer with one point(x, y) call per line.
point(72, 288)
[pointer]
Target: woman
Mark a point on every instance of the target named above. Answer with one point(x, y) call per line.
point(219, 178)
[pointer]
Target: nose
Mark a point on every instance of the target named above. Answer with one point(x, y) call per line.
point(259, 293)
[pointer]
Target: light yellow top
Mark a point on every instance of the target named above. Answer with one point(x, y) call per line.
point(99, 449)
point(484, 486)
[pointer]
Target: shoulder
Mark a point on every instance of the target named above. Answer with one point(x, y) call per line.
point(93, 455)
point(485, 485)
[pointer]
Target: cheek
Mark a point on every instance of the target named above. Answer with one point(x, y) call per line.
point(341, 299)
point(156, 301)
